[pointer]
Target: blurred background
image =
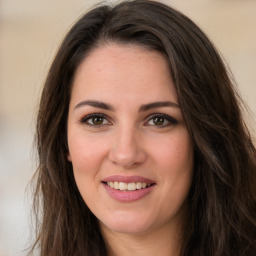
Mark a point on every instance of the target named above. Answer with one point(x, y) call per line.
point(30, 32)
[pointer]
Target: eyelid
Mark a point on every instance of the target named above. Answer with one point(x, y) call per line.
point(85, 118)
point(171, 120)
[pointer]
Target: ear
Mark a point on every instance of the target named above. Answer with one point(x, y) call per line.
point(68, 154)
point(69, 157)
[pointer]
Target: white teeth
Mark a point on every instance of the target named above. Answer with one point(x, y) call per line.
point(138, 185)
point(116, 185)
point(127, 186)
point(131, 186)
point(123, 186)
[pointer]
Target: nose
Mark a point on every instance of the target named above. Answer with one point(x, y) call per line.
point(127, 150)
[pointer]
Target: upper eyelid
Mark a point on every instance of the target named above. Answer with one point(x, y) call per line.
point(147, 118)
point(88, 116)
point(161, 115)
point(170, 120)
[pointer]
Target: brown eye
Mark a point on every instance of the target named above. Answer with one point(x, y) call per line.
point(161, 120)
point(158, 120)
point(95, 120)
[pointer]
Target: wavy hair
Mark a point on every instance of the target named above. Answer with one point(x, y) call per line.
point(222, 201)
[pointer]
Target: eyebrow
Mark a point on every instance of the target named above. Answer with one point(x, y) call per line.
point(95, 104)
point(143, 108)
point(160, 104)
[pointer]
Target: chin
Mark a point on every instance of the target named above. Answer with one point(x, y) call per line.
point(126, 224)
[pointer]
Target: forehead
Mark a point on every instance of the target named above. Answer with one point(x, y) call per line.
point(125, 69)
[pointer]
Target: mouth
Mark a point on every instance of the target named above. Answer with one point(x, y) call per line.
point(131, 186)
point(128, 188)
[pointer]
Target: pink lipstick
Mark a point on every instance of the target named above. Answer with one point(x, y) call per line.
point(128, 188)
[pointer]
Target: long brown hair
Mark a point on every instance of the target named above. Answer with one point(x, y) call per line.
point(222, 204)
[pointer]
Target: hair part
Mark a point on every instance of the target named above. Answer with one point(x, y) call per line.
point(222, 203)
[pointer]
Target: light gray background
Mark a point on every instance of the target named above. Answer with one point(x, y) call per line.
point(30, 31)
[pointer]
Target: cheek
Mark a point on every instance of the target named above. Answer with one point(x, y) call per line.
point(85, 162)
point(176, 152)
point(175, 159)
point(81, 159)
point(87, 155)
point(83, 149)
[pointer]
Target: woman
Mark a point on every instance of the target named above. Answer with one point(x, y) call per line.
point(142, 146)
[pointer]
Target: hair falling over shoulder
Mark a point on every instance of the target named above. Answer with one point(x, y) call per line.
point(222, 200)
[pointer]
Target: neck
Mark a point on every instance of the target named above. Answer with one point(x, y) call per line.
point(166, 240)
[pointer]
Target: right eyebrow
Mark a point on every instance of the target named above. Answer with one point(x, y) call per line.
point(159, 104)
point(94, 103)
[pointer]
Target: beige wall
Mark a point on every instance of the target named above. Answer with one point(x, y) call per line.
point(30, 31)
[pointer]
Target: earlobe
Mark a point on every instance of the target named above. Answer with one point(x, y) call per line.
point(69, 157)
point(68, 154)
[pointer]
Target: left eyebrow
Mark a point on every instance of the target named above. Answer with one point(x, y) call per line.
point(95, 104)
point(160, 104)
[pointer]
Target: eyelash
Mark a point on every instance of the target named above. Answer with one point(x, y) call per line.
point(85, 120)
point(170, 120)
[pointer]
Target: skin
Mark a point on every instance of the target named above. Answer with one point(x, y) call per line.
point(129, 140)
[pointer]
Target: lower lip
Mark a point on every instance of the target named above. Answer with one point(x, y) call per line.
point(128, 196)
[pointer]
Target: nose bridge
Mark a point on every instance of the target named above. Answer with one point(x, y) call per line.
point(127, 150)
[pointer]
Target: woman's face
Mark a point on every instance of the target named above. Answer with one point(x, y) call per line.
point(131, 152)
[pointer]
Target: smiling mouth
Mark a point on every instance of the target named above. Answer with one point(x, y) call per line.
point(131, 186)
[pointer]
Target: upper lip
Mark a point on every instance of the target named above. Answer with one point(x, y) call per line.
point(128, 179)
